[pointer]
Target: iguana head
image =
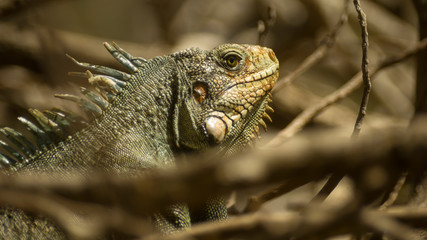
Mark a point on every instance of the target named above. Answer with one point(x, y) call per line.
point(230, 89)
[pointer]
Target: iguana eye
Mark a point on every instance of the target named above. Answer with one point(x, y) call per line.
point(232, 60)
point(199, 92)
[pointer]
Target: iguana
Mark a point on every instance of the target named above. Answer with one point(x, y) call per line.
point(183, 102)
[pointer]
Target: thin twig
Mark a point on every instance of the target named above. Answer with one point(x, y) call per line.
point(365, 69)
point(421, 81)
point(329, 186)
point(395, 193)
point(325, 44)
point(336, 178)
point(264, 26)
point(255, 202)
point(251, 223)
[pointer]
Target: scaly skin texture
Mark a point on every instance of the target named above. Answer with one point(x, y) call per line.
point(186, 101)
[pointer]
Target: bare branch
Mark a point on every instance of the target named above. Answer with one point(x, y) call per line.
point(329, 186)
point(421, 90)
point(255, 202)
point(264, 26)
point(415, 216)
point(394, 194)
point(336, 178)
point(365, 72)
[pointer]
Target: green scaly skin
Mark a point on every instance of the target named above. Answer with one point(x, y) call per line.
point(186, 101)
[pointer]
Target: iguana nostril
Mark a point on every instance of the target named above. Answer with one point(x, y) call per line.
point(272, 56)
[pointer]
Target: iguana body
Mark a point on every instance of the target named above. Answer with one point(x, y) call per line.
point(186, 101)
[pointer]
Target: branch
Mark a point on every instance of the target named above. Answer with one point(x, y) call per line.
point(326, 190)
point(336, 178)
point(391, 198)
point(421, 88)
point(384, 224)
point(414, 216)
point(255, 202)
point(264, 26)
point(365, 72)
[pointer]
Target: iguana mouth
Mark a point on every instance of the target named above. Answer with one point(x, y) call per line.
point(262, 77)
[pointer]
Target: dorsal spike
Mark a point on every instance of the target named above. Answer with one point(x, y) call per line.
point(61, 120)
point(88, 74)
point(42, 138)
point(76, 120)
point(264, 114)
point(256, 131)
point(95, 98)
point(91, 109)
point(105, 83)
point(50, 127)
point(19, 140)
point(69, 97)
point(268, 108)
point(13, 151)
point(251, 136)
point(110, 97)
point(262, 123)
point(138, 61)
point(121, 58)
point(116, 81)
point(78, 74)
point(104, 70)
point(6, 160)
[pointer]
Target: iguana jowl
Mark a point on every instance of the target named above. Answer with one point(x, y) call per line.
point(186, 101)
